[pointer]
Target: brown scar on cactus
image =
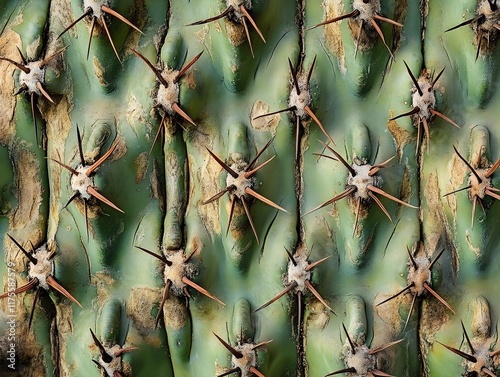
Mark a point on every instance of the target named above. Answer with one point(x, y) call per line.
point(360, 359)
point(32, 79)
point(300, 103)
point(109, 359)
point(240, 186)
point(486, 23)
point(82, 181)
point(244, 358)
point(97, 10)
point(178, 273)
point(362, 184)
point(167, 97)
point(479, 184)
point(479, 359)
point(424, 101)
point(366, 13)
point(298, 280)
point(41, 275)
point(419, 281)
point(236, 11)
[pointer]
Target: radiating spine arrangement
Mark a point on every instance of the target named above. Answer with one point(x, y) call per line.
point(270, 157)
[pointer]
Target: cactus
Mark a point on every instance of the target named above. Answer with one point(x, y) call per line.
point(221, 187)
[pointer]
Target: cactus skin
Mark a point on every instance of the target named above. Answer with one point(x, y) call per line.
point(162, 192)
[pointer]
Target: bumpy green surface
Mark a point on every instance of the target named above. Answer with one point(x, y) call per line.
point(162, 193)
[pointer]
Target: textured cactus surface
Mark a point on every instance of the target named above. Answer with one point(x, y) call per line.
point(249, 187)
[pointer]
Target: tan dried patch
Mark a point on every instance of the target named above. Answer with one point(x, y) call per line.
point(475, 249)
point(156, 186)
point(8, 42)
point(389, 311)
point(28, 188)
point(433, 316)
point(235, 32)
point(175, 313)
point(268, 123)
point(98, 69)
point(139, 305)
point(332, 32)
point(400, 135)
point(189, 79)
point(137, 116)
point(481, 318)
point(141, 166)
point(102, 281)
point(318, 318)
point(120, 150)
point(32, 49)
point(202, 33)
point(436, 218)
point(457, 170)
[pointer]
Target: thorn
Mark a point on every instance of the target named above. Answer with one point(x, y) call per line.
point(358, 38)
point(278, 296)
point(92, 191)
point(203, 291)
point(117, 374)
point(125, 350)
point(467, 337)
point(341, 159)
point(297, 134)
point(18, 65)
point(231, 212)
point(23, 59)
point(434, 293)
point(388, 20)
point(80, 148)
point(248, 35)
point(86, 13)
point(254, 160)
point(35, 299)
point(379, 373)
point(150, 65)
point(316, 120)
point(436, 259)
point(415, 110)
point(469, 21)
point(73, 197)
point(86, 214)
point(233, 351)
point(261, 344)
point(229, 372)
point(247, 211)
point(253, 171)
point(112, 12)
point(325, 156)
point(474, 202)
point(162, 303)
point(291, 108)
point(312, 265)
point(256, 372)
point(381, 35)
point(247, 15)
point(187, 66)
point(263, 199)
point(437, 78)
point(388, 196)
point(32, 101)
point(479, 40)
point(460, 189)
point(413, 262)
point(211, 19)
point(488, 372)
point(411, 310)
point(71, 170)
point(42, 90)
point(31, 284)
point(492, 194)
point(92, 26)
point(309, 74)
point(468, 165)
point(341, 371)
point(351, 343)
point(28, 255)
point(435, 112)
point(317, 295)
point(415, 82)
point(383, 347)
point(181, 112)
point(99, 162)
point(22, 89)
point(190, 255)
point(382, 207)
point(294, 77)
point(107, 358)
point(356, 218)
point(397, 294)
point(219, 195)
point(223, 164)
point(158, 256)
point(462, 354)
point(492, 169)
point(290, 256)
point(343, 194)
point(353, 14)
point(160, 128)
point(54, 284)
point(103, 21)
point(299, 313)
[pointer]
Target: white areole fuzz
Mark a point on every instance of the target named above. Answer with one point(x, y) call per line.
point(176, 271)
point(478, 189)
point(115, 364)
point(95, 5)
point(168, 95)
point(419, 276)
point(491, 17)
point(34, 76)
point(300, 101)
point(426, 101)
point(240, 183)
point(362, 180)
point(362, 361)
point(81, 181)
point(248, 360)
point(43, 268)
point(298, 273)
point(236, 7)
point(367, 8)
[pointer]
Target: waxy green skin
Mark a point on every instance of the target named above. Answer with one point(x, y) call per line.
point(162, 192)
